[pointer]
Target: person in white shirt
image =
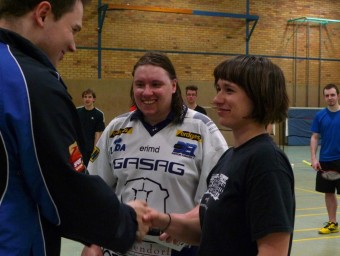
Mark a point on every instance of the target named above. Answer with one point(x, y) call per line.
point(161, 153)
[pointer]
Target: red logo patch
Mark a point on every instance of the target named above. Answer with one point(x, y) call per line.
point(76, 158)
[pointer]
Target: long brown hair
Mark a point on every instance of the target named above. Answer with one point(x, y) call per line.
point(162, 61)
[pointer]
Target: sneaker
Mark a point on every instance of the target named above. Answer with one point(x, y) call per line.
point(330, 227)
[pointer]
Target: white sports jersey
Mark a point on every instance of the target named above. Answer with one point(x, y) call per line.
point(167, 170)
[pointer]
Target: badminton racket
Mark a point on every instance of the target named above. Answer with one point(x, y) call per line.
point(326, 174)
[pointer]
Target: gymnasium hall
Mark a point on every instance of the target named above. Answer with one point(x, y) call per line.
point(302, 37)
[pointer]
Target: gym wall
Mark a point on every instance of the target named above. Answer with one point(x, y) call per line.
point(307, 51)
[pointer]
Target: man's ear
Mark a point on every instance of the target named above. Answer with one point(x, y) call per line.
point(41, 11)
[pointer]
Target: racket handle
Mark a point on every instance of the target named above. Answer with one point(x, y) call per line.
point(309, 164)
point(306, 162)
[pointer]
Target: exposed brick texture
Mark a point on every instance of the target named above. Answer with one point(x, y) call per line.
point(127, 33)
point(196, 44)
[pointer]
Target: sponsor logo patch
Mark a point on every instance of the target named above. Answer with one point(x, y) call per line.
point(184, 149)
point(148, 164)
point(118, 146)
point(76, 158)
point(189, 135)
point(95, 154)
point(150, 149)
point(127, 130)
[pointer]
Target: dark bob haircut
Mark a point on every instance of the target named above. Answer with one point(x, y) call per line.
point(263, 82)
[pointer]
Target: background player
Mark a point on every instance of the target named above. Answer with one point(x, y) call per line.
point(191, 95)
point(93, 123)
point(326, 125)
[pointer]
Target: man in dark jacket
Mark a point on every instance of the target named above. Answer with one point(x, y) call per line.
point(44, 194)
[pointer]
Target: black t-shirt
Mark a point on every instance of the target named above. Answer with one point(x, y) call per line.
point(250, 195)
point(200, 109)
point(92, 121)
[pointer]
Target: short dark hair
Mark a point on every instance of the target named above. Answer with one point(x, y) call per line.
point(18, 8)
point(88, 91)
point(263, 82)
point(330, 86)
point(191, 88)
point(161, 60)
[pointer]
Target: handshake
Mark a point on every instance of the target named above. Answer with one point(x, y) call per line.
point(176, 229)
point(148, 219)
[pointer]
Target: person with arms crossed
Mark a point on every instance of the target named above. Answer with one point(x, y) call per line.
point(92, 120)
point(162, 152)
point(249, 206)
point(44, 194)
point(191, 95)
point(326, 125)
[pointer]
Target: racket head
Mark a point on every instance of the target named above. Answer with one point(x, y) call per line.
point(330, 175)
point(326, 174)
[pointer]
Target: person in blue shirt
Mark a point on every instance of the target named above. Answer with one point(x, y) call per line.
point(325, 126)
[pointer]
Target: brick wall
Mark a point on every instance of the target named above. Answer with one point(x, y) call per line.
point(308, 53)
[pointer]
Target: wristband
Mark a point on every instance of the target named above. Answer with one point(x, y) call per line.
point(167, 226)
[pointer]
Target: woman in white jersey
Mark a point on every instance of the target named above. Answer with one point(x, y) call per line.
point(161, 153)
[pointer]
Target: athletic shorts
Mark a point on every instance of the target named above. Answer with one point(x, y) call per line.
point(328, 186)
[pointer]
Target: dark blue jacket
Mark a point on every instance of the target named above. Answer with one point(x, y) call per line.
point(44, 194)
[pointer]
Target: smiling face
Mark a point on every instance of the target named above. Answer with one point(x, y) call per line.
point(233, 105)
point(58, 35)
point(153, 90)
point(88, 101)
